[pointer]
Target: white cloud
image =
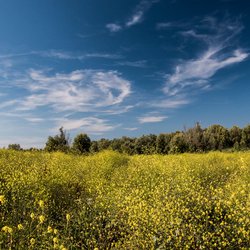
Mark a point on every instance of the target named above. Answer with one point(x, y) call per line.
point(77, 91)
point(170, 25)
point(113, 27)
point(197, 72)
point(134, 19)
point(139, 12)
point(131, 129)
point(90, 125)
point(64, 55)
point(34, 119)
point(151, 119)
point(171, 103)
point(136, 64)
point(195, 75)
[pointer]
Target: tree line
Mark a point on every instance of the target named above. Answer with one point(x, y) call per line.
point(195, 139)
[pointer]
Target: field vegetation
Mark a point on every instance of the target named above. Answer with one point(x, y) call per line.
point(115, 201)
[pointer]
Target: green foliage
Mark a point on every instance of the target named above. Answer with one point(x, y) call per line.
point(14, 147)
point(245, 139)
point(163, 143)
point(58, 143)
point(178, 143)
point(146, 144)
point(193, 140)
point(216, 138)
point(113, 201)
point(81, 144)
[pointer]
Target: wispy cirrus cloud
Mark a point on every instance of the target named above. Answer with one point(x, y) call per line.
point(136, 64)
point(113, 27)
point(90, 125)
point(76, 56)
point(151, 118)
point(195, 75)
point(139, 12)
point(135, 18)
point(170, 25)
point(78, 91)
point(131, 129)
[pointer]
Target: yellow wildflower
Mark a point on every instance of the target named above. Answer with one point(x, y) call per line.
point(20, 227)
point(41, 218)
point(2, 199)
point(68, 217)
point(32, 241)
point(50, 230)
point(41, 203)
point(32, 216)
point(7, 229)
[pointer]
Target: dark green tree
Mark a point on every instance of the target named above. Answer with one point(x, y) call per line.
point(245, 139)
point(116, 144)
point(58, 143)
point(235, 134)
point(103, 144)
point(216, 138)
point(14, 147)
point(146, 144)
point(163, 143)
point(178, 143)
point(81, 144)
point(195, 139)
point(128, 145)
point(94, 147)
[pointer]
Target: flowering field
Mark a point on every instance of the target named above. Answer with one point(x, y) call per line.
point(114, 201)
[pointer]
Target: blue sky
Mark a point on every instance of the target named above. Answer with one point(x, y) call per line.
point(110, 68)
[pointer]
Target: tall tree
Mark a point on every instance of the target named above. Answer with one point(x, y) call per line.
point(163, 143)
point(216, 137)
point(245, 139)
point(194, 138)
point(58, 143)
point(146, 144)
point(178, 143)
point(235, 134)
point(81, 144)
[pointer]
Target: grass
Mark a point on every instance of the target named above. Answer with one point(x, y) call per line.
point(114, 201)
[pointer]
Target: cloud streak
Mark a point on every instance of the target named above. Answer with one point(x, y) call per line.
point(77, 91)
point(90, 125)
point(151, 119)
point(136, 17)
point(197, 74)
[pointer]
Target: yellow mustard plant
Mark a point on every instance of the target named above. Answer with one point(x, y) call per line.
point(2, 199)
point(7, 229)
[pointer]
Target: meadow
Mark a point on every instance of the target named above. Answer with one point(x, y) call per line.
point(114, 201)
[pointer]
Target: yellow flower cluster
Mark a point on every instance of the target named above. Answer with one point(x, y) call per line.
point(115, 201)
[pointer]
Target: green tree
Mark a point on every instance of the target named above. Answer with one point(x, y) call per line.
point(128, 145)
point(245, 139)
point(103, 144)
point(178, 143)
point(146, 144)
point(195, 139)
point(94, 147)
point(14, 147)
point(58, 143)
point(163, 143)
point(81, 144)
point(235, 134)
point(216, 137)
